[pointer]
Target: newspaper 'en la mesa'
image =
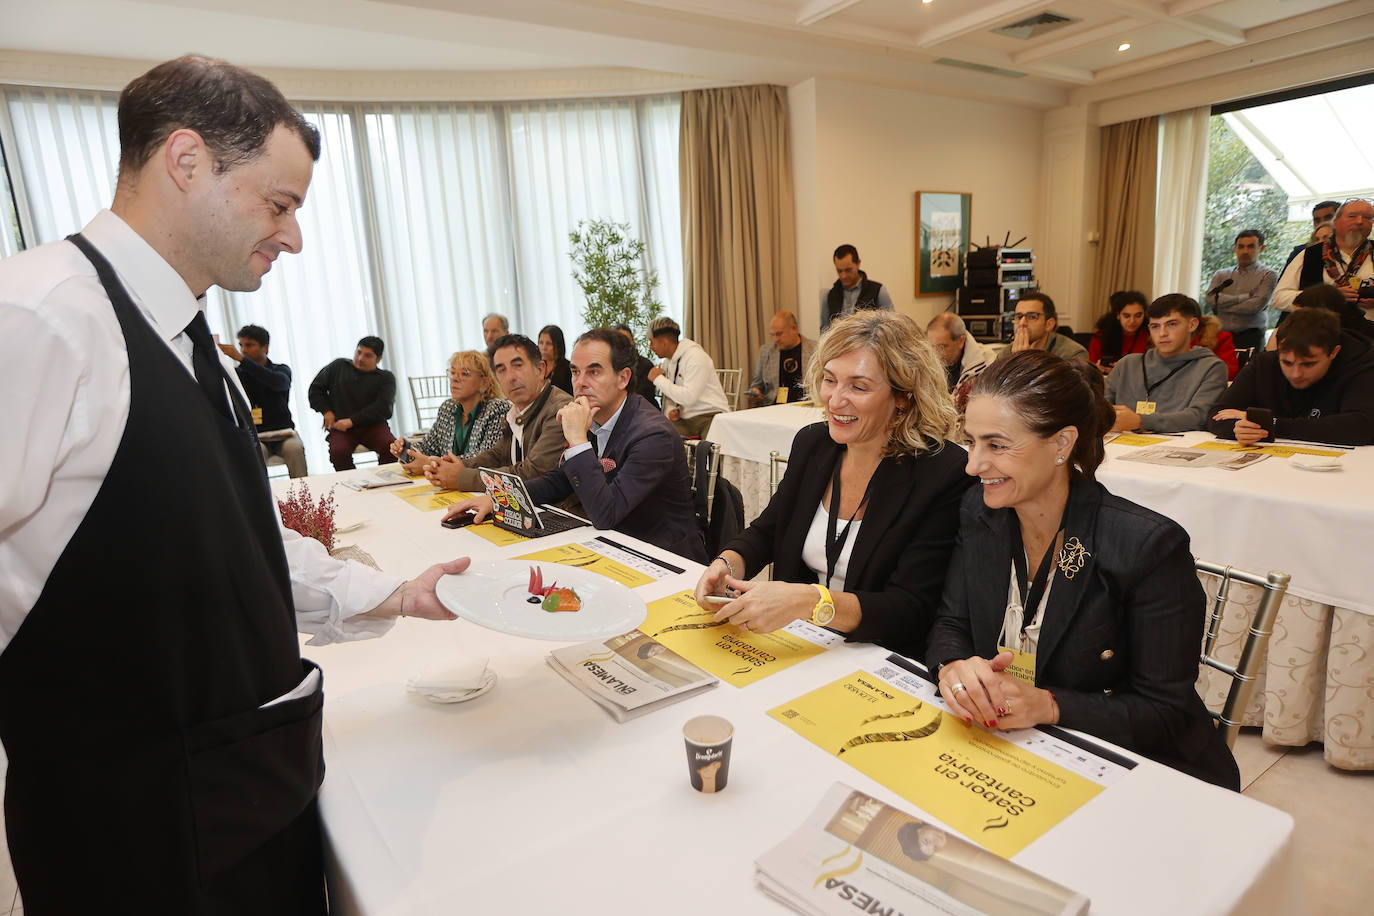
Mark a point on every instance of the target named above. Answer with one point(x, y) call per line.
point(631, 674)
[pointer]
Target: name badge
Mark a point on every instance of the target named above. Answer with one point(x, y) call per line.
point(782, 395)
point(1144, 408)
point(1022, 665)
point(257, 416)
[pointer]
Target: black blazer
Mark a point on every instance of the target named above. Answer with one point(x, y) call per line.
point(897, 568)
point(1120, 641)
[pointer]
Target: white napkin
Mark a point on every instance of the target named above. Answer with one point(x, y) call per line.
point(451, 676)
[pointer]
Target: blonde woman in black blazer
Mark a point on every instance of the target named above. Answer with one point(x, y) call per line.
point(879, 542)
point(1104, 596)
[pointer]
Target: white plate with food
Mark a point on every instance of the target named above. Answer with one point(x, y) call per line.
point(542, 600)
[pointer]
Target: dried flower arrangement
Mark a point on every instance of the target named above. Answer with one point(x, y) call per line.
point(300, 512)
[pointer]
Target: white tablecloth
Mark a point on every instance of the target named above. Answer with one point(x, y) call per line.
point(532, 799)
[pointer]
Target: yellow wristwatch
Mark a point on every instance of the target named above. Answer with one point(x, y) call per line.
point(824, 611)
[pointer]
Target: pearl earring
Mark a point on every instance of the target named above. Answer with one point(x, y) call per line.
point(1059, 460)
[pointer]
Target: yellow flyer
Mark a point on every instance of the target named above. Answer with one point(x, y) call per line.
point(731, 654)
point(579, 555)
point(429, 498)
point(1138, 440)
point(997, 793)
point(1278, 451)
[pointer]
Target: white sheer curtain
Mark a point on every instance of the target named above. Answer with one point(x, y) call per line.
point(611, 159)
point(420, 219)
point(444, 249)
point(1180, 201)
point(63, 148)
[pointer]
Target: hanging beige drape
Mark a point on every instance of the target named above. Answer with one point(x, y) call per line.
point(738, 236)
point(1126, 210)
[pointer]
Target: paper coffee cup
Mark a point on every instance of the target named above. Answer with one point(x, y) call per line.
point(708, 741)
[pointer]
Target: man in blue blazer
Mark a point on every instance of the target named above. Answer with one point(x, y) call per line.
point(624, 459)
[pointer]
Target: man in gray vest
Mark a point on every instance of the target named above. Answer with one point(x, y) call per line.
point(852, 290)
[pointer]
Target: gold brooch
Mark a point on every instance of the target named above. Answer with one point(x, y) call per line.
point(1072, 557)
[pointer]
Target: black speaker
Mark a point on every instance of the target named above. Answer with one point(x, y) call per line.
point(979, 300)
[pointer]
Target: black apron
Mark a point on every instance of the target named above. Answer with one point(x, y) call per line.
point(143, 774)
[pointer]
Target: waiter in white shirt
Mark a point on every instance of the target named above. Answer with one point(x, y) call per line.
point(162, 730)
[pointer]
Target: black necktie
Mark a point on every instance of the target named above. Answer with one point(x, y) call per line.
point(205, 362)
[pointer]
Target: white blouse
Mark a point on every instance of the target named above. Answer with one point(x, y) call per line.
point(813, 548)
point(1012, 637)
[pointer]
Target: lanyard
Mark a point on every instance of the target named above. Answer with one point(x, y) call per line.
point(1150, 389)
point(1032, 593)
point(835, 545)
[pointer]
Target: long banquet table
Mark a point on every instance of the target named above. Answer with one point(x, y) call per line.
point(1318, 683)
point(532, 799)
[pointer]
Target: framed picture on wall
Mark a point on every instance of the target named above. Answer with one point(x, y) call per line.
point(942, 228)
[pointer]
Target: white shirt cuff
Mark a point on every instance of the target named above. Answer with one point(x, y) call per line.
point(330, 594)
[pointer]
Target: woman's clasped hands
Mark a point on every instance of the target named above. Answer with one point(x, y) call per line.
point(980, 690)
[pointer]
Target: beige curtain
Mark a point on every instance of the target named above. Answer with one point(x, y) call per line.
point(1126, 211)
point(738, 234)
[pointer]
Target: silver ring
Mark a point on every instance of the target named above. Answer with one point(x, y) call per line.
point(956, 688)
point(1006, 704)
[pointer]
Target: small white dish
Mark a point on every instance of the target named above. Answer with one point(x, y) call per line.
point(1316, 463)
point(457, 696)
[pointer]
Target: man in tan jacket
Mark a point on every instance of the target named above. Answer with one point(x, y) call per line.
point(533, 439)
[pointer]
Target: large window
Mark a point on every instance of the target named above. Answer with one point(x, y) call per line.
point(1271, 159)
point(421, 218)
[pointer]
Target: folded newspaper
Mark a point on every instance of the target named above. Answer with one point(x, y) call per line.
point(855, 851)
point(631, 674)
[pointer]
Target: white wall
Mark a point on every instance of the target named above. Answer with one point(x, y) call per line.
point(860, 153)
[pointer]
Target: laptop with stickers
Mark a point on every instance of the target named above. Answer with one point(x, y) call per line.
point(513, 510)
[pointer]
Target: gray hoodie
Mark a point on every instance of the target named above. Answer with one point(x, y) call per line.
point(1183, 401)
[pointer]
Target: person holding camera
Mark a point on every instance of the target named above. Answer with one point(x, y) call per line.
point(1343, 260)
point(1318, 386)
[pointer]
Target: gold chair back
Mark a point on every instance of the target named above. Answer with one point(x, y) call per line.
point(427, 392)
point(777, 466)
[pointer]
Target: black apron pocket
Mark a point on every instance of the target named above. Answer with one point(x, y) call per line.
point(251, 774)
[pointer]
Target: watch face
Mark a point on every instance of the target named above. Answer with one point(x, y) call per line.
point(824, 614)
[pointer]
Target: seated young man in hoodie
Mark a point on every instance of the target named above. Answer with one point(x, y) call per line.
point(1172, 386)
point(1318, 387)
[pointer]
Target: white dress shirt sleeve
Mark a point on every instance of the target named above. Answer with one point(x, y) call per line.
point(1286, 290)
point(330, 594)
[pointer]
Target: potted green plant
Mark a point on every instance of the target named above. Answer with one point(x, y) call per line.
point(608, 268)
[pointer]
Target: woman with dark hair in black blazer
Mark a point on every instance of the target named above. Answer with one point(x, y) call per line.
point(553, 348)
point(1092, 600)
point(861, 528)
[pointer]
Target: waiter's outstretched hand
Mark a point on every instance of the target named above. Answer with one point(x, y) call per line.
point(419, 598)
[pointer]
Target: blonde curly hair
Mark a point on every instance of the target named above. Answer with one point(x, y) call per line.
point(478, 363)
point(912, 370)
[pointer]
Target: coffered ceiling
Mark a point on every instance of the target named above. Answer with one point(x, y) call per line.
point(1037, 52)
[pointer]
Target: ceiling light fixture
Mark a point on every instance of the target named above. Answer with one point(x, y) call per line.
point(1124, 46)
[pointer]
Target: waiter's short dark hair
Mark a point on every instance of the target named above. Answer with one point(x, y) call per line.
point(255, 333)
point(1251, 234)
point(233, 110)
point(374, 344)
point(1308, 329)
point(623, 353)
point(1174, 302)
point(1325, 205)
point(847, 251)
point(530, 348)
